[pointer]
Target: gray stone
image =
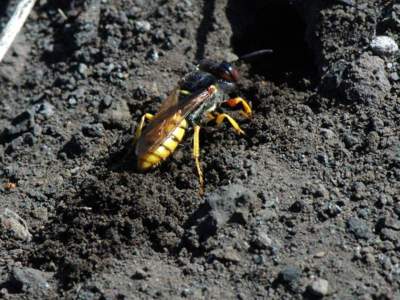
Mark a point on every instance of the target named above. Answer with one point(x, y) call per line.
point(230, 201)
point(358, 228)
point(15, 225)
point(83, 69)
point(30, 280)
point(261, 240)
point(366, 80)
point(290, 275)
point(227, 254)
point(118, 116)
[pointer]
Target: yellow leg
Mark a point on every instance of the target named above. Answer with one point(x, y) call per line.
point(235, 125)
point(196, 155)
point(246, 107)
point(138, 131)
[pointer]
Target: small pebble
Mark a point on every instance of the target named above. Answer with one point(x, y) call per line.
point(153, 55)
point(83, 69)
point(394, 76)
point(107, 101)
point(72, 101)
point(45, 109)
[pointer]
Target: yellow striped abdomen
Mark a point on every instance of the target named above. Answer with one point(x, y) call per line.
point(153, 158)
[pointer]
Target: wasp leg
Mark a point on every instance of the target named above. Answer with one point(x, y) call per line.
point(246, 107)
point(235, 125)
point(196, 155)
point(138, 132)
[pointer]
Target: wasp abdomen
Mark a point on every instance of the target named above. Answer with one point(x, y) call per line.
point(153, 158)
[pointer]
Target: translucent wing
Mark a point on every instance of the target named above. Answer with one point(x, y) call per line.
point(172, 111)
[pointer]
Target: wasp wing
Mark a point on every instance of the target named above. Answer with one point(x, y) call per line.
point(171, 114)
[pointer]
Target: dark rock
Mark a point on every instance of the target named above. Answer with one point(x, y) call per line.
point(22, 123)
point(289, 275)
point(298, 206)
point(140, 274)
point(29, 139)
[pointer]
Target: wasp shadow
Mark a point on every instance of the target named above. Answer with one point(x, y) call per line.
point(122, 155)
point(276, 25)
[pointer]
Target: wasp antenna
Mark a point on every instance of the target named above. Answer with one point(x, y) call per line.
point(253, 54)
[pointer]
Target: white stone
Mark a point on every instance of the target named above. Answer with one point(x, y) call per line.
point(320, 287)
point(143, 26)
point(384, 45)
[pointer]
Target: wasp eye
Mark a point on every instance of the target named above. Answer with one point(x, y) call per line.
point(228, 72)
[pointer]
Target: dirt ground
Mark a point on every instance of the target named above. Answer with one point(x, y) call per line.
point(305, 206)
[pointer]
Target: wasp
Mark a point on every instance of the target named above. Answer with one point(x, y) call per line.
point(193, 102)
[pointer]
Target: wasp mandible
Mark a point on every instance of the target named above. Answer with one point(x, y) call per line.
point(194, 101)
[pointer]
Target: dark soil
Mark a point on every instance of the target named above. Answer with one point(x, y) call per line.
point(306, 205)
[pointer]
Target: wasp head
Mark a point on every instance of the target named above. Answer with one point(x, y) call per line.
point(224, 70)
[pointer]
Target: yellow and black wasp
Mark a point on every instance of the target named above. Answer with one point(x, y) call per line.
point(194, 101)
